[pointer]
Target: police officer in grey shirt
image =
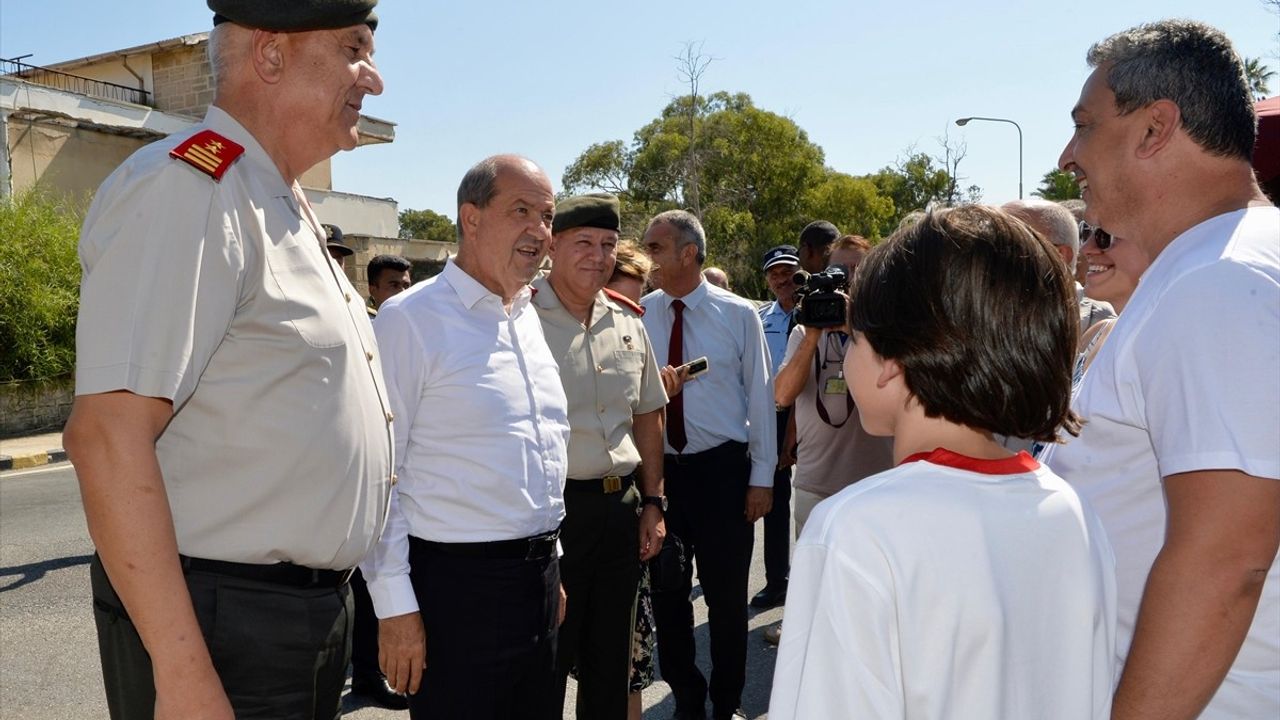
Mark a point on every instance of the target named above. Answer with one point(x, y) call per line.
point(230, 431)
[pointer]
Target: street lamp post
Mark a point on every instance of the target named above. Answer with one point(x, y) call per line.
point(965, 121)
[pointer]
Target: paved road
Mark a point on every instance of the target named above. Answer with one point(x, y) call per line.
point(48, 650)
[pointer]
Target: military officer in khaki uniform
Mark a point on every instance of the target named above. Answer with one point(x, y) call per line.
point(616, 406)
point(230, 431)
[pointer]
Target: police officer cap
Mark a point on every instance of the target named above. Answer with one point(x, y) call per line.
point(598, 210)
point(333, 239)
point(295, 15)
point(781, 255)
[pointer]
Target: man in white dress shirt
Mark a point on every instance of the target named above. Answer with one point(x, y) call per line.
point(465, 581)
point(1178, 454)
point(721, 452)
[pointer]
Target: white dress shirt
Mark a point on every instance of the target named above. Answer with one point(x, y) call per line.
point(481, 444)
point(733, 400)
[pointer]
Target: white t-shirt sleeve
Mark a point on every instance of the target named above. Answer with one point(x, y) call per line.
point(1211, 359)
point(838, 656)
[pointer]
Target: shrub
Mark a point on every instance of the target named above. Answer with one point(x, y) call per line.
point(39, 284)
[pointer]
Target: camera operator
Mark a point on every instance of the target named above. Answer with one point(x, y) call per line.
point(832, 450)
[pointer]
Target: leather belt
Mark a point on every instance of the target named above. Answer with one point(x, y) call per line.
point(607, 484)
point(715, 454)
point(282, 573)
point(537, 547)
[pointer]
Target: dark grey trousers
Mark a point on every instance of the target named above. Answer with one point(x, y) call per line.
point(280, 652)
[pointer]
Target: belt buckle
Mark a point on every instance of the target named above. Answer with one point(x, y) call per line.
point(612, 483)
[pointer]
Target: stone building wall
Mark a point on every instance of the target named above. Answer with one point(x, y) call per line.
point(35, 406)
point(183, 80)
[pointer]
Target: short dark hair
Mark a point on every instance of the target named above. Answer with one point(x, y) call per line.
point(1191, 64)
point(980, 312)
point(386, 262)
point(819, 235)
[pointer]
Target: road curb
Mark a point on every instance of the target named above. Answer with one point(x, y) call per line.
point(30, 460)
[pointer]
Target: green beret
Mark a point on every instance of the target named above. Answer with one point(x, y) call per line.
point(598, 210)
point(295, 15)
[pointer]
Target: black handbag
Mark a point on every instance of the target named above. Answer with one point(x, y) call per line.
point(667, 568)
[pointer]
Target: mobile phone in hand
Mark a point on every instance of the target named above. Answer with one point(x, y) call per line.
point(695, 367)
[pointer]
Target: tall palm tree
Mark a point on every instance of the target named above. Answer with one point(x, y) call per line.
point(1257, 76)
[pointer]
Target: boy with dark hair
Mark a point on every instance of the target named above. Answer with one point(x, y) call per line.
point(967, 582)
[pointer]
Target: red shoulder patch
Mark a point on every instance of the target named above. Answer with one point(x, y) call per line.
point(624, 301)
point(208, 152)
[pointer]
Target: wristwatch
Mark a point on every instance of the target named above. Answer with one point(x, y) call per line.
point(660, 501)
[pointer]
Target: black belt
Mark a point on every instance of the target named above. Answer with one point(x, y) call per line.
point(283, 573)
point(537, 547)
point(715, 454)
point(607, 484)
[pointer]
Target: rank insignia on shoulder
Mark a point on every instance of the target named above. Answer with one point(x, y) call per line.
point(208, 152)
point(624, 301)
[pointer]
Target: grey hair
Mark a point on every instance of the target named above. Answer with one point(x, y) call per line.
point(479, 185)
point(1191, 64)
point(689, 227)
point(1057, 222)
point(217, 52)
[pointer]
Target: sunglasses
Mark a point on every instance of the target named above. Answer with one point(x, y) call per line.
point(1101, 238)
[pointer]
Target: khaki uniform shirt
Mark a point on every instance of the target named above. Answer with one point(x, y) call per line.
point(220, 296)
point(609, 375)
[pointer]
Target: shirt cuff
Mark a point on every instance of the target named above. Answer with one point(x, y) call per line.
point(392, 596)
point(761, 475)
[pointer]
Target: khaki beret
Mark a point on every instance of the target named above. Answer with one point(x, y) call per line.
point(597, 210)
point(295, 15)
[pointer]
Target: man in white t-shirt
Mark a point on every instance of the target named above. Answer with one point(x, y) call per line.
point(1179, 453)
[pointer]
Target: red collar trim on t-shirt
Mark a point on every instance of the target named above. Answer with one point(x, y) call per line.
point(1020, 463)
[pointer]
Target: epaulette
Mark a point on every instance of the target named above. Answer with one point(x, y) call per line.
point(624, 301)
point(208, 152)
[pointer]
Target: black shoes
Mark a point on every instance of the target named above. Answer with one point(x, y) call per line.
point(770, 597)
point(376, 690)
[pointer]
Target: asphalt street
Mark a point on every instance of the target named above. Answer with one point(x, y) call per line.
point(49, 666)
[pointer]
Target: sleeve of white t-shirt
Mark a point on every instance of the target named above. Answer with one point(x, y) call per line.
point(1210, 355)
point(838, 656)
point(793, 342)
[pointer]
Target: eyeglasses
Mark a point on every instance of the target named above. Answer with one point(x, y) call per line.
point(1101, 238)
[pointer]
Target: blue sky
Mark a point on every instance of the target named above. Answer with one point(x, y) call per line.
point(866, 80)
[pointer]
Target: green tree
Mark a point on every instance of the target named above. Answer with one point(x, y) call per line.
point(39, 285)
point(1258, 76)
point(427, 225)
point(913, 183)
point(752, 176)
point(853, 204)
point(1057, 185)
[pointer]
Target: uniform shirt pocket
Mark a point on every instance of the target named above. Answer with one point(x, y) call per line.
point(624, 376)
point(311, 299)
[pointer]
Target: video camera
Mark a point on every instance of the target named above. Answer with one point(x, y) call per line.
point(821, 298)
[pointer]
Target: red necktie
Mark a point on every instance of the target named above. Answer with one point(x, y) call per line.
point(675, 358)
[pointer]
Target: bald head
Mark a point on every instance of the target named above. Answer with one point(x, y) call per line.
point(1051, 220)
point(717, 277)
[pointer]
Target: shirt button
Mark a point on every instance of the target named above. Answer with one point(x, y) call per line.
point(390, 417)
point(394, 479)
point(368, 356)
point(602, 409)
point(347, 297)
point(600, 368)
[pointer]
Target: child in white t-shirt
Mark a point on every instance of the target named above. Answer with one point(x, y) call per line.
point(967, 582)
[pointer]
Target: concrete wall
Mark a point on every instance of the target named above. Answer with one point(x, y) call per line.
point(72, 160)
point(114, 71)
point(31, 407)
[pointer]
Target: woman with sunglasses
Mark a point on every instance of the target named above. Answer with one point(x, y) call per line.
point(1114, 268)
